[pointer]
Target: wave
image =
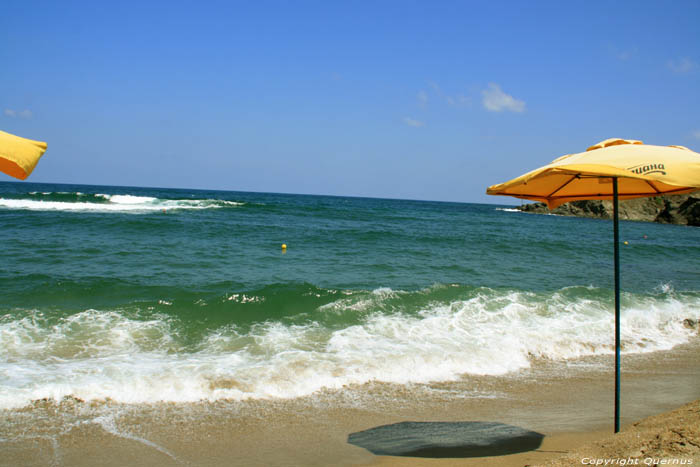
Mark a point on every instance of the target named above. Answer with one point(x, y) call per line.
point(401, 337)
point(508, 210)
point(82, 202)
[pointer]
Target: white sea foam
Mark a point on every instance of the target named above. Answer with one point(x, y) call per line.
point(108, 424)
point(128, 199)
point(508, 209)
point(116, 203)
point(99, 355)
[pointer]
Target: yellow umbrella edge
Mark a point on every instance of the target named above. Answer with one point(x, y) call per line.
point(555, 203)
point(582, 170)
point(19, 156)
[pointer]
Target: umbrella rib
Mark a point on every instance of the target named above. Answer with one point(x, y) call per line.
point(566, 183)
point(584, 195)
point(652, 186)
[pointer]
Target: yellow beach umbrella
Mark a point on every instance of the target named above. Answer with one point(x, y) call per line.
point(612, 169)
point(18, 156)
point(642, 170)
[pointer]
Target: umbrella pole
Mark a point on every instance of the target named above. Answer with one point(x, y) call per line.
point(616, 235)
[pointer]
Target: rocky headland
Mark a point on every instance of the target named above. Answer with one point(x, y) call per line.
point(675, 209)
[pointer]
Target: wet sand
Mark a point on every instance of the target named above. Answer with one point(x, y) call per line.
point(571, 403)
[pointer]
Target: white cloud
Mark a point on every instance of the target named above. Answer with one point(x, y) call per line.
point(622, 54)
point(26, 113)
point(460, 100)
point(682, 65)
point(696, 134)
point(411, 122)
point(435, 87)
point(422, 98)
point(495, 100)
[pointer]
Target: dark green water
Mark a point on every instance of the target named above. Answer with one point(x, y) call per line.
point(117, 292)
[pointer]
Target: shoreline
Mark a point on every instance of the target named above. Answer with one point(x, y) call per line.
point(569, 402)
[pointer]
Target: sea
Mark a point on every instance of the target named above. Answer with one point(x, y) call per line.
point(148, 295)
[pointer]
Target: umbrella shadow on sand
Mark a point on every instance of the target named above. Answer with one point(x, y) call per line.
point(446, 439)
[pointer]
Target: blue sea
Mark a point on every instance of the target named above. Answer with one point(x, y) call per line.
point(141, 295)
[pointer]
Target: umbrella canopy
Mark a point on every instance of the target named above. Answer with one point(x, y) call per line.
point(612, 169)
point(18, 156)
point(643, 170)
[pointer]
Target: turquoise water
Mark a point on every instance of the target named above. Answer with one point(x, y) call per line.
point(144, 294)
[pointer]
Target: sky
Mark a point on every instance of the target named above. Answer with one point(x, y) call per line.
point(431, 100)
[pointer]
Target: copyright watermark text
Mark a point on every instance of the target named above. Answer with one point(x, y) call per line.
point(622, 461)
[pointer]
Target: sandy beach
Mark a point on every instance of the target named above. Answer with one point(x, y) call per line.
point(570, 403)
point(669, 438)
point(301, 234)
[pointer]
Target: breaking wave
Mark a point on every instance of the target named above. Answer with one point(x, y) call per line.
point(77, 202)
point(356, 337)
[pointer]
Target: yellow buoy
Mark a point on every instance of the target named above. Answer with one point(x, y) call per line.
point(627, 243)
point(284, 246)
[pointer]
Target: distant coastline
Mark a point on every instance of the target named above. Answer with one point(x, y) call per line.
point(675, 209)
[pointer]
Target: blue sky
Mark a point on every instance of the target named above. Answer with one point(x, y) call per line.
point(421, 100)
